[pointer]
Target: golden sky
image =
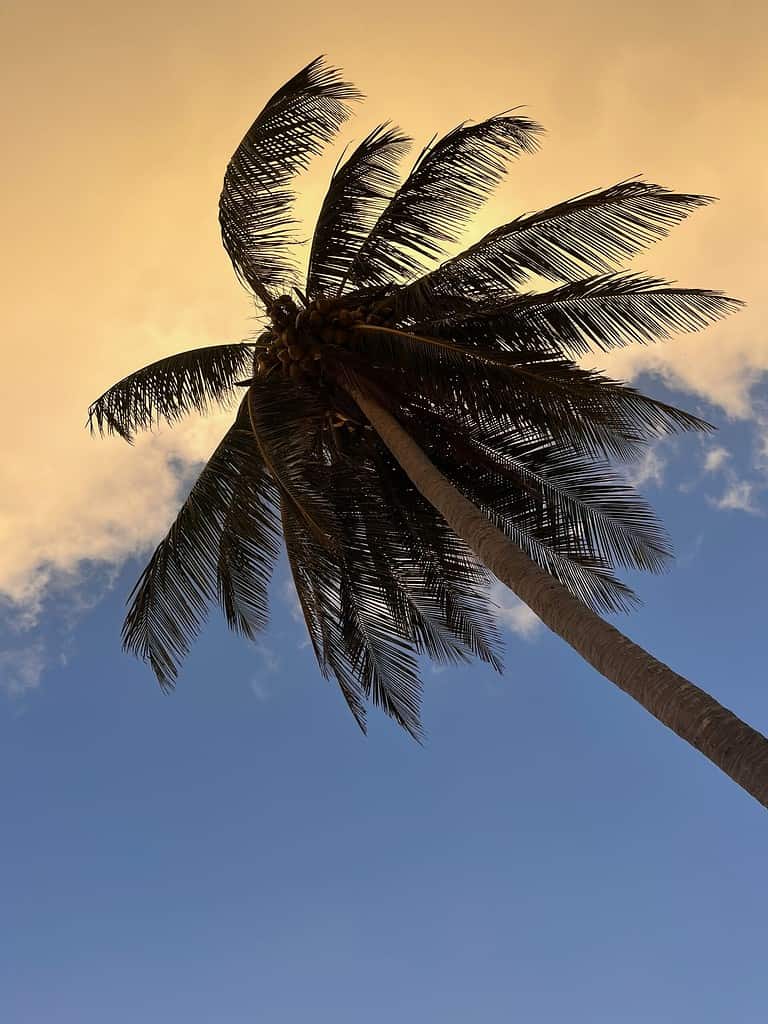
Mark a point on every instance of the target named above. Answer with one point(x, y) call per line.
point(119, 120)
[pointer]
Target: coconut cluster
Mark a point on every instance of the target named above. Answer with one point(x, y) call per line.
point(302, 342)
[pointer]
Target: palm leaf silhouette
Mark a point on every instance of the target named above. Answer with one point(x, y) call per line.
point(591, 233)
point(359, 190)
point(448, 183)
point(255, 204)
point(223, 542)
point(171, 388)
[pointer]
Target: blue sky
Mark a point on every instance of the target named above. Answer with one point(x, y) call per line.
point(238, 852)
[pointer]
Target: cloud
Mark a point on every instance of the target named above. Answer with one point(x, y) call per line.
point(697, 363)
point(291, 598)
point(270, 659)
point(714, 458)
point(739, 496)
point(761, 441)
point(70, 501)
point(690, 552)
point(260, 691)
point(649, 469)
point(271, 665)
point(512, 614)
point(21, 669)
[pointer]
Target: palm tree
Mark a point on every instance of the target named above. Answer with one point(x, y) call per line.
point(410, 431)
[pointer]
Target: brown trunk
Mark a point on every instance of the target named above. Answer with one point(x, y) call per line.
point(740, 751)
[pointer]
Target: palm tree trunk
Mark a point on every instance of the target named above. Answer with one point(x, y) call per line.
point(740, 751)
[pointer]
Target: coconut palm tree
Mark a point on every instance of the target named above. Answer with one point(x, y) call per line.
point(411, 428)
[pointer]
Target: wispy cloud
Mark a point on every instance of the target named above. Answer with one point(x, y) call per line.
point(27, 650)
point(648, 470)
point(21, 669)
point(291, 598)
point(513, 614)
point(739, 496)
point(761, 441)
point(714, 458)
point(270, 659)
point(690, 552)
point(741, 493)
point(260, 690)
point(271, 663)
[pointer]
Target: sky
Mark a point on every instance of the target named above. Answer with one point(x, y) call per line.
point(238, 851)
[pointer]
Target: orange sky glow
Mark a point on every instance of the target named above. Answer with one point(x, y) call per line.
point(119, 121)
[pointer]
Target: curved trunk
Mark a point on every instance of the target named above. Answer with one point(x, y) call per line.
point(740, 751)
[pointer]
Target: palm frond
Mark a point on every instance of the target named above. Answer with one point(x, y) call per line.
point(448, 183)
point(287, 423)
point(171, 388)
point(563, 553)
point(603, 312)
point(442, 573)
point(589, 578)
point(248, 548)
point(376, 641)
point(559, 549)
point(388, 592)
point(536, 395)
point(590, 234)
point(551, 491)
point(229, 513)
point(257, 228)
point(424, 607)
point(317, 579)
point(359, 189)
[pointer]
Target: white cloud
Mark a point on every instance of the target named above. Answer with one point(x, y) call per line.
point(91, 501)
point(721, 364)
point(260, 691)
point(291, 598)
point(649, 469)
point(21, 669)
point(740, 496)
point(270, 659)
point(761, 441)
point(513, 614)
point(762, 452)
point(714, 458)
point(691, 552)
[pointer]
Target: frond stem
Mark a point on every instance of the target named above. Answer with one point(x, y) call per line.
point(281, 484)
point(481, 355)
